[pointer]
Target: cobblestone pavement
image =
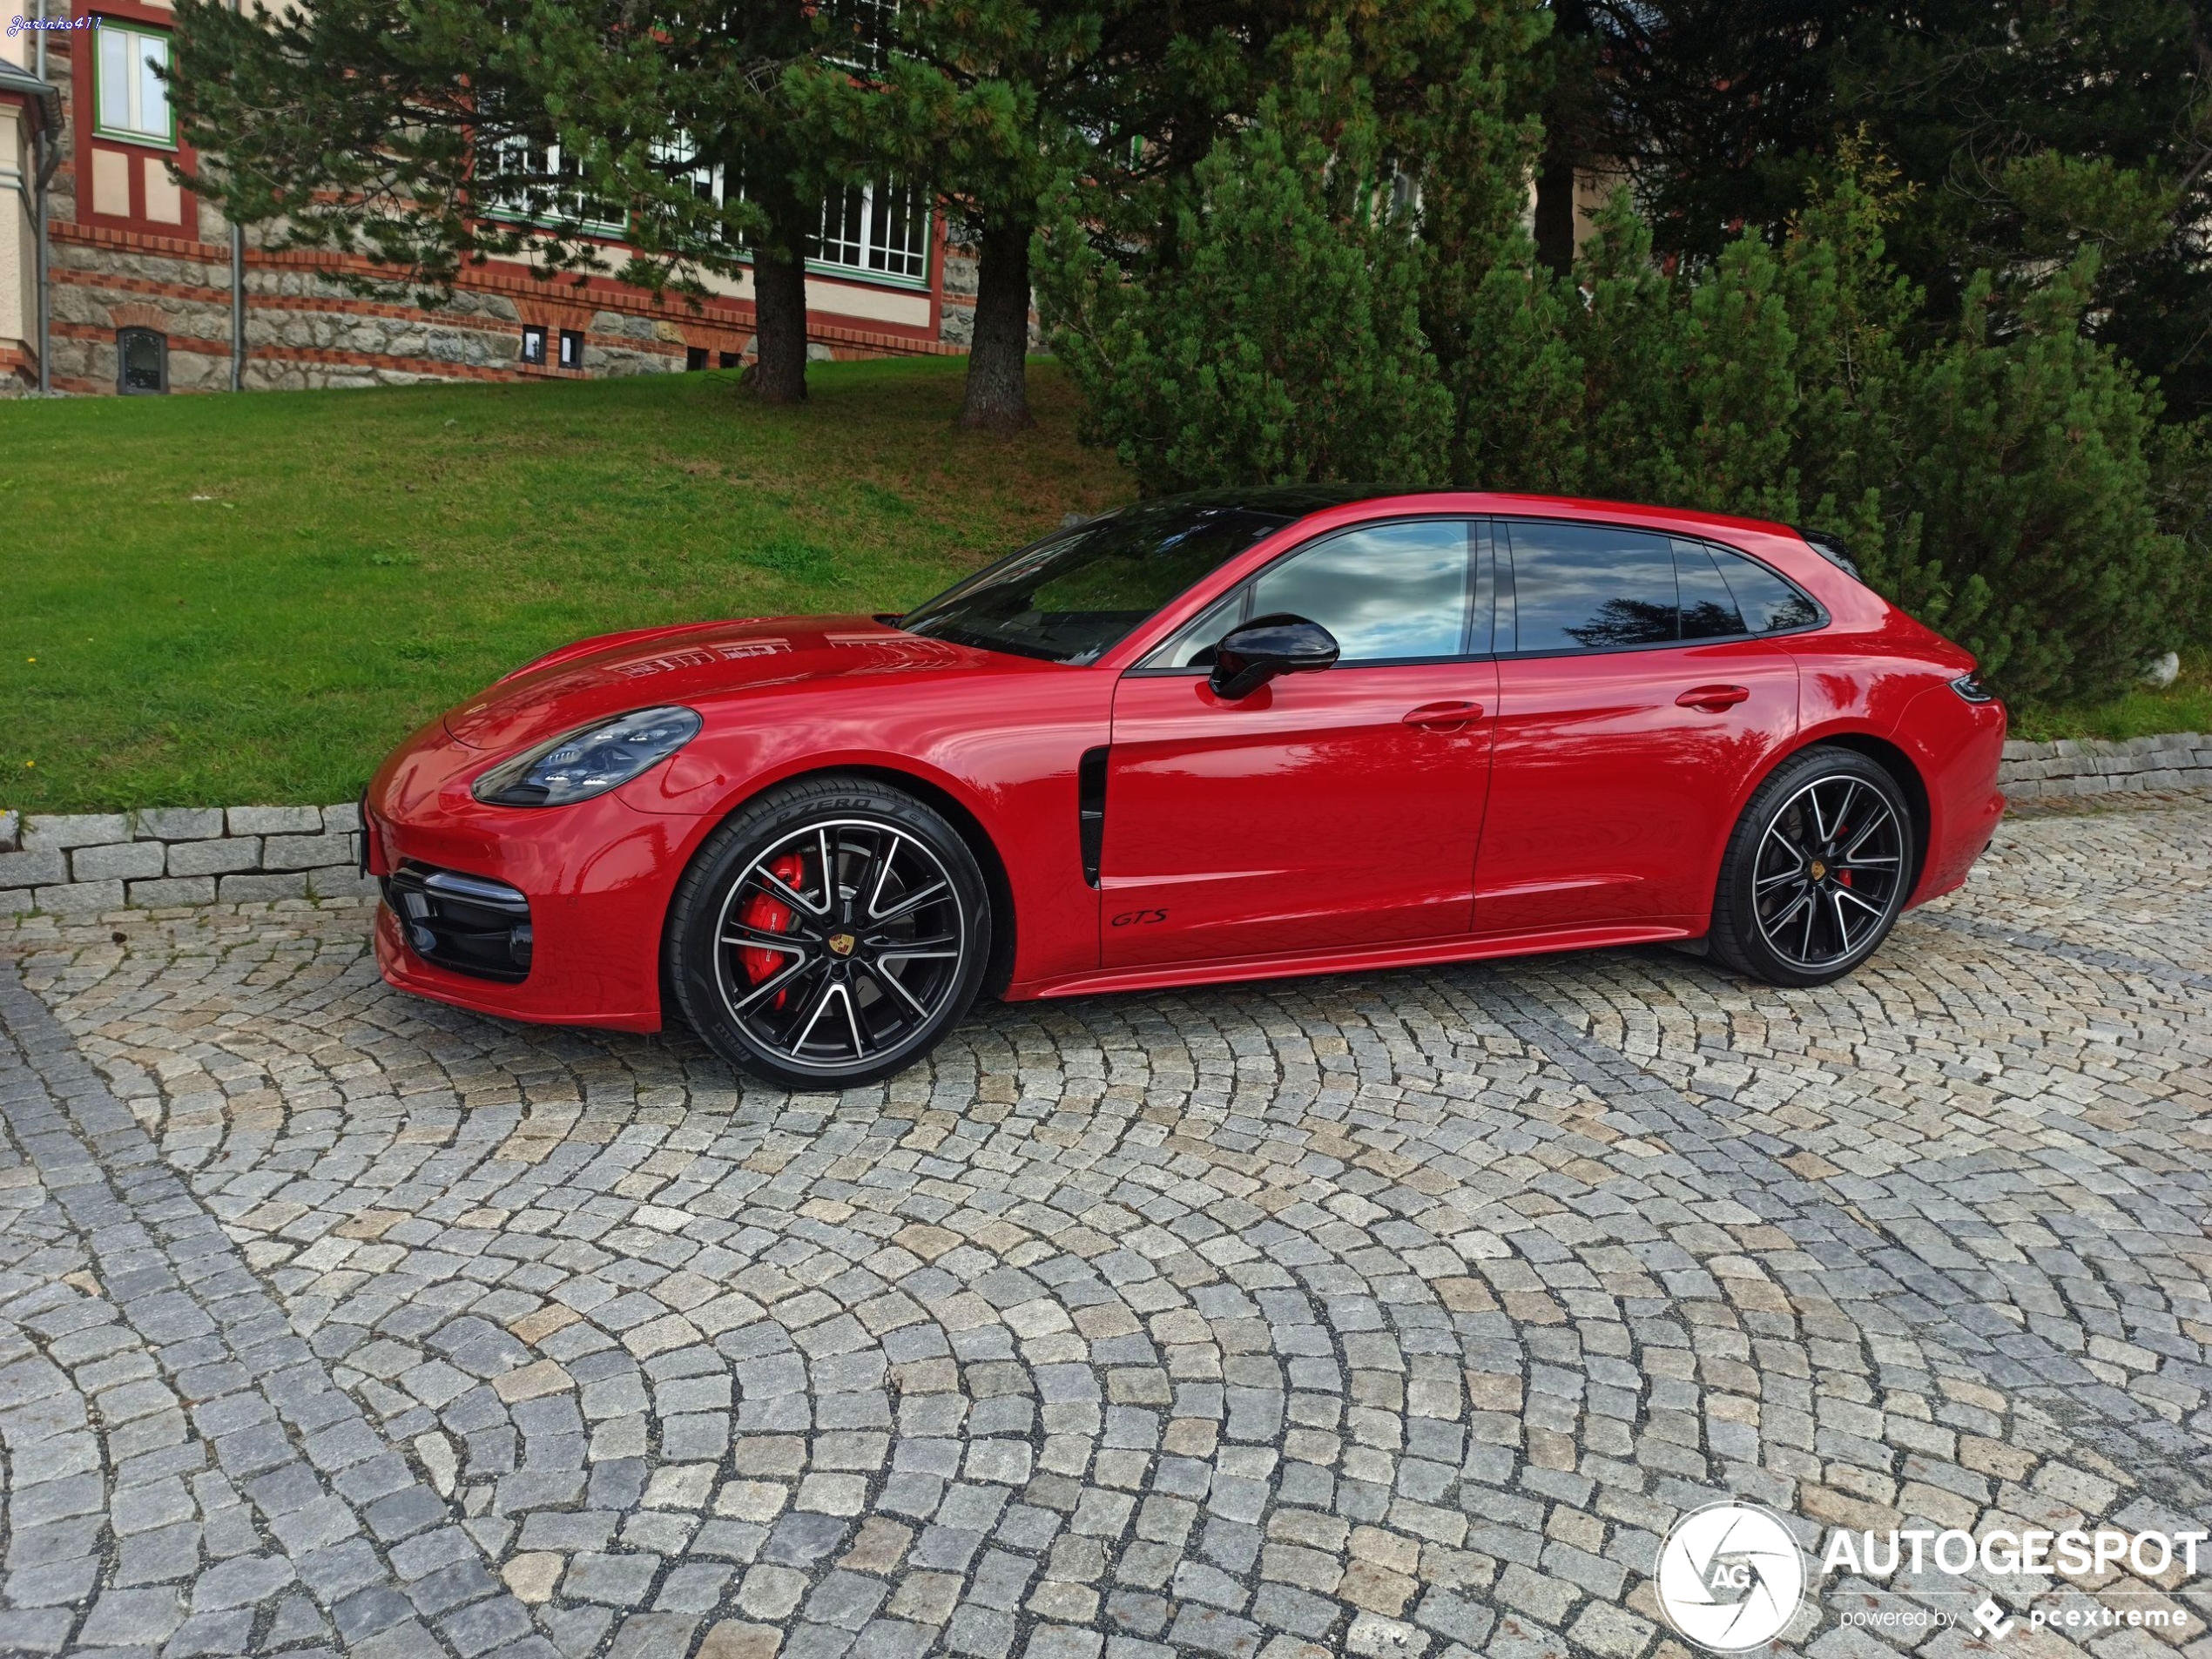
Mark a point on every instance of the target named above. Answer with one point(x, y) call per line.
point(1395, 1315)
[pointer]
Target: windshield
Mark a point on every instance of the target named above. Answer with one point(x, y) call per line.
point(1072, 597)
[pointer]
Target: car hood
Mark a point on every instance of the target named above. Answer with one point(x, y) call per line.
point(598, 679)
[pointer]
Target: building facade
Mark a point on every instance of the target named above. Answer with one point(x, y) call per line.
point(147, 291)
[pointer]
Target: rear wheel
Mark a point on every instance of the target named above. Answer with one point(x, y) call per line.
point(1815, 870)
point(829, 934)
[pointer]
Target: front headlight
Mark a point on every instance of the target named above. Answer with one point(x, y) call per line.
point(590, 761)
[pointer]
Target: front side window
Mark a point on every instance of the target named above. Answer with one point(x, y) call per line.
point(131, 100)
point(142, 361)
point(1388, 592)
point(1071, 597)
point(1589, 587)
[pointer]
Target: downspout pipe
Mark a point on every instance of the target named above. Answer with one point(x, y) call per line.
point(50, 157)
point(238, 292)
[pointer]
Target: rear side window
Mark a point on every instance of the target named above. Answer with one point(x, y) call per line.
point(1769, 604)
point(1590, 587)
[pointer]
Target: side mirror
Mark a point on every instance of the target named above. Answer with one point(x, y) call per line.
point(1248, 657)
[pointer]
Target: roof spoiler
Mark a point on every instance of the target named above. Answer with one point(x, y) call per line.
point(1832, 548)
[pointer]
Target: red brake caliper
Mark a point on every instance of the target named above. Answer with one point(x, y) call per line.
point(769, 914)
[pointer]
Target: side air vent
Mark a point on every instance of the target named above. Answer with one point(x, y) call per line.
point(1090, 810)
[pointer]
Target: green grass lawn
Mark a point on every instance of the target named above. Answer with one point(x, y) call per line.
point(217, 600)
point(2186, 705)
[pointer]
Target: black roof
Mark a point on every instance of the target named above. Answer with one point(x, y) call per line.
point(1285, 501)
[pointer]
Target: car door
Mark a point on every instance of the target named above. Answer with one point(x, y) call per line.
point(1640, 699)
point(1335, 809)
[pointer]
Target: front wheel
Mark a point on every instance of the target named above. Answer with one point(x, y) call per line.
point(1816, 871)
point(829, 934)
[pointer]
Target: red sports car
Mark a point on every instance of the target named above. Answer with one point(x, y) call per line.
point(1225, 735)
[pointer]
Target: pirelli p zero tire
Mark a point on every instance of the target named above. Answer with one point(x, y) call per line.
point(1816, 870)
point(829, 934)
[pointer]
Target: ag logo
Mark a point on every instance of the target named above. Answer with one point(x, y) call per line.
point(1730, 1576)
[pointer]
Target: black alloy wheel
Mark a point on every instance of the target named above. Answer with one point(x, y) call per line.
point(1816, 870)
point(829, 934)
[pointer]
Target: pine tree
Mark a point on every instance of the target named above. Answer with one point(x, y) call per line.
point(2023, 133)
point(1284, 346)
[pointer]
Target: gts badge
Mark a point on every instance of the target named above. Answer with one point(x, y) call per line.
point(1139, 918)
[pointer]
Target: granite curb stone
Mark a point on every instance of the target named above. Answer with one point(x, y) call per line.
point(2071, 766)
point(73, 863)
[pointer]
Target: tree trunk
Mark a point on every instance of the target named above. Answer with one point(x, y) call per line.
point(1554, 214)
point(1570, 114)
point(778, 372)
point(998, 395)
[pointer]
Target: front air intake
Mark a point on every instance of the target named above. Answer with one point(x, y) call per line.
point(467, 923)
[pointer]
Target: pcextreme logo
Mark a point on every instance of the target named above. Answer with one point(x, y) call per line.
point(1730, 1575)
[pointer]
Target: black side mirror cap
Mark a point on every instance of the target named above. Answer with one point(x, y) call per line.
point(1248, 657)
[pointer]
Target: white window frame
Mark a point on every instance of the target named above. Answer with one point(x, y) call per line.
point(708, 179)
point(871, 46)
point(867, 252)
point(573, 203)
point(137, 88)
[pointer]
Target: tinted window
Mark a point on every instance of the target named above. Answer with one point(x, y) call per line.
point(1586, 587)
point(1769, 603)
point(1708, 607)
point(1389, 592)
point(1193, 644)
point(1072, 596)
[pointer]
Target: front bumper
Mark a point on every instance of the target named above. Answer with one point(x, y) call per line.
point(596, 878)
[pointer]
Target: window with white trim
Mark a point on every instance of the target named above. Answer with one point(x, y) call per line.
point(708, 179)
point(881, 228)
point(545, 187)
point(131, 99)
point(862, 32)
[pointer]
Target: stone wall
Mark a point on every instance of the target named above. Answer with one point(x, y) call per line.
point(75, 863)
point(2090, 767)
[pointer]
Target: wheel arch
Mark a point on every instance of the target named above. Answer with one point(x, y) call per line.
point(999, 969)
point(957, 812)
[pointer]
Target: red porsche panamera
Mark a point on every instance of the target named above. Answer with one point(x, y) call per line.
point(1217, 737)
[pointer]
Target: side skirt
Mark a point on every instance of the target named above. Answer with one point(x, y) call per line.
point(1423, 954)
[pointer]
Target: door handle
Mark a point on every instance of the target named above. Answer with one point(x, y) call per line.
point(1444, 717)
point(1713, 698)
